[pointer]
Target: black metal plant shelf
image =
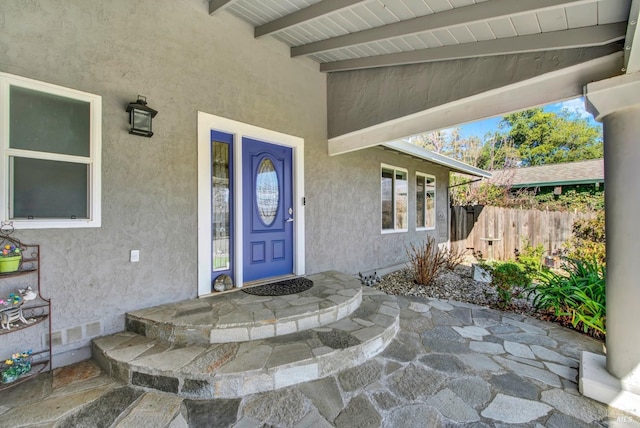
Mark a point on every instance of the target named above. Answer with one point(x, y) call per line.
point(17, 273)
point(37, 311)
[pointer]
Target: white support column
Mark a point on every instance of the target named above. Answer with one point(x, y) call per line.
point(616, 103)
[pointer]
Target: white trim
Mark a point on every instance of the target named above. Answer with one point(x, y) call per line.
point(435, 200)
point(94, 160)
point(437, 158)
point(596, 382)
point(207, 122)
point(544, 89)
point(393, 190)
point(610, 95)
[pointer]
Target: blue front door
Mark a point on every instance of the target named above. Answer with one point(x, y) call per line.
point(267, 189)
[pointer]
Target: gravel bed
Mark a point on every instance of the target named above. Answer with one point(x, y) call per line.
point(457, 284)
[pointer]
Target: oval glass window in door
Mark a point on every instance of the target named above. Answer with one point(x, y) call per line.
point(267, 193)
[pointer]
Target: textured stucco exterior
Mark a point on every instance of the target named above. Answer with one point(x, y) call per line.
point(393, 92)
point(184, 61)
point(344, 211)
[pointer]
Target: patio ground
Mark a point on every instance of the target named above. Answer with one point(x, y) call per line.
point(452, 364)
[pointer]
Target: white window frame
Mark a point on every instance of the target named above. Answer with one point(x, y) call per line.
point(395, 169)
point(424, 202)
point(94, 160)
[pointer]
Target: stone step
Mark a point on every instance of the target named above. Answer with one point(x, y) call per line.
point(235, 369)
point(240, 317)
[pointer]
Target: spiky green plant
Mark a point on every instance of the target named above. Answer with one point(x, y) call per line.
point(578, 294)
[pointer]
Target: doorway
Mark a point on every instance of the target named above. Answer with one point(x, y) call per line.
point(250, 202)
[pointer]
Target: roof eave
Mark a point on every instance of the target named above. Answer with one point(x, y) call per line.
point(437, 158)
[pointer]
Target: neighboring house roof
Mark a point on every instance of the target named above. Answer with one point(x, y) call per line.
point(583, 172)
point(437, 158)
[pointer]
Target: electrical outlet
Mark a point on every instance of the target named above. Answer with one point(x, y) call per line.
point(135, 256)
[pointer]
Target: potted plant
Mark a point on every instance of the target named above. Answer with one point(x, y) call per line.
point(10, 258)
point(18, 365)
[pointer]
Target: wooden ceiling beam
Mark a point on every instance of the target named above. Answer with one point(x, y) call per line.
point(566, 39)
point(491, 9)
point(543, 89)
point(309, 13)
point(632, 41)
point(218, 5)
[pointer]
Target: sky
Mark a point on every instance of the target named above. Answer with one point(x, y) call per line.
point(480, 128)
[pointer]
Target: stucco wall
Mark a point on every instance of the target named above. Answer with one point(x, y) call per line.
point(344, 211)
point(392, 92)
point(182, 60)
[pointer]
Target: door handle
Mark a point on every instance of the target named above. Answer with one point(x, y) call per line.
point(289, 220)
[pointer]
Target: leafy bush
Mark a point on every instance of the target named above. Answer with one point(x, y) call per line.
point(506, 275)
point(530, 258)
point(425, 261)
point(581, 198)
point(589, 240)
point(578, 294)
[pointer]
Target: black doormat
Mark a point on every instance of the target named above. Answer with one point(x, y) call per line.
point(281, 288)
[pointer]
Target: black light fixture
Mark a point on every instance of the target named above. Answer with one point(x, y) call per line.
point(140, 117)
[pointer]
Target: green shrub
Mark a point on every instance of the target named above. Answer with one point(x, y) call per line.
point(425, 261)
point(530, 258)
point(506, 275)
point(589, 240)
point(578, 294)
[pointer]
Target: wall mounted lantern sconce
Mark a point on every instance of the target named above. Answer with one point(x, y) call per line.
point(140, 117)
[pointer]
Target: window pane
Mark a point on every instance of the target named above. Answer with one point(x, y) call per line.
point(48, 123)
point(221, 226)
point(386, 188)
point(420, 201)
point(431, 183)
point(431, 201)
point(431, 209)
point(49, 189)
point(402, 200)
point(267, 192)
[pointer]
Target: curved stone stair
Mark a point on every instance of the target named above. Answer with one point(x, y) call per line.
point(318, 347)
point(239, 317)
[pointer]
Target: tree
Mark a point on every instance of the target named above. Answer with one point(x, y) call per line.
point(498, 152)
point(450, 144)
point(547, 138)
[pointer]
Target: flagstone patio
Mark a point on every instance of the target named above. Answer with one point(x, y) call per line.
point(451, 364)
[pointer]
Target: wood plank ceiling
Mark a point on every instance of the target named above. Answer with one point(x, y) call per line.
point(354, 34)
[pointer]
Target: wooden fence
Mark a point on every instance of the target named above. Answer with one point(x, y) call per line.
point(474, 227)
